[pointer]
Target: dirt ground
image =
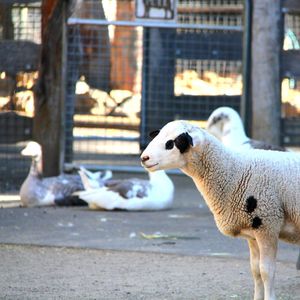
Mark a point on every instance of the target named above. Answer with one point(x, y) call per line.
point(75, 253)
point(32, 272)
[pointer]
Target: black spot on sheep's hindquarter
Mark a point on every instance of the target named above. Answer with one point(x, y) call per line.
point(183, 142)
point(153, 134)
point(256, 222)
point(251, 204)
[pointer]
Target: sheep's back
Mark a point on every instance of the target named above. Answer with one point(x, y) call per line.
point(263, 190)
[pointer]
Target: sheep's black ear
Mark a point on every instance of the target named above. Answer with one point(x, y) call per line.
point(153, 134)
point(190, 139)
point(183, 142)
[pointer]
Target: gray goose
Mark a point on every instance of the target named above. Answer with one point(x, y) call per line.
point(56, 190)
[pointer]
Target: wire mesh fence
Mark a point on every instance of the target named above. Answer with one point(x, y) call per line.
point(290, 87)
point(125, 76)
point(20, 26)
point(128, 75)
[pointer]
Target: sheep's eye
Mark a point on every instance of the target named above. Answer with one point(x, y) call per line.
point(169, 144)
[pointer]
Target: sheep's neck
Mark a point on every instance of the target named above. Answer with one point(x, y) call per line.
point(212, 170)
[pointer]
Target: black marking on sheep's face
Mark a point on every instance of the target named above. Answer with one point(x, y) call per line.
point(169, 144)
point(256, 222)
point(251, 204)
point(153, 134)
point(183, 142)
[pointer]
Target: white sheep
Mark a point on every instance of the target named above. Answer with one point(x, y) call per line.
point(227, 126)
point(252, 194)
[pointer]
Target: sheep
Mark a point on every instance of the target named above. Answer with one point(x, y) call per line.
point(252, 194)
point(227, 126)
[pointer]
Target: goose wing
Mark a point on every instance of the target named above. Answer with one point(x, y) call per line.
point(63, 185)
point(129, 188)
point(265, 146)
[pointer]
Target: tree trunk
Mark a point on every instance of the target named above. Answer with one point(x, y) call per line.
point(50, 91)
point(266, 46)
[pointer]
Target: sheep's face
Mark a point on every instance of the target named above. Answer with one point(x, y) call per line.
point(168, 147)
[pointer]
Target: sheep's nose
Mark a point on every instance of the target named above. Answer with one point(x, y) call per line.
point(145, 158)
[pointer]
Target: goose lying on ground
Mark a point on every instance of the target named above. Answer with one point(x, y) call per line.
point(57, 190)
point(227, 126)
point(131, 194)
point(93, 180)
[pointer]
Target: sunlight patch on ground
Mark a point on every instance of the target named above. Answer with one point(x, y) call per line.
point(8, 201)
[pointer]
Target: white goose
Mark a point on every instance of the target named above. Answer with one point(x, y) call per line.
point(131, 194)
point(56, 190)
point(227, 126)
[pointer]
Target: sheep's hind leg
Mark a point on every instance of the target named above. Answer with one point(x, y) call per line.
point(267, 245)
point(298, 262)
point(254, 263)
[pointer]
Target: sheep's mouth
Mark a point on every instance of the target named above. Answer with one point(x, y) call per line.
point(151, 166)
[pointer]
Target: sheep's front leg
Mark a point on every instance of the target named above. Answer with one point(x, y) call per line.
point(298, 262)
point(267, 245)
point(254, 263)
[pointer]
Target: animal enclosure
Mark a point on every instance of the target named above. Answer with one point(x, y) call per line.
point(291, 77)
point(127, 74)
point(20, 37)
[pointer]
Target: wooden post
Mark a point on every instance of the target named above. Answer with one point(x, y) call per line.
point(50, 91)
point(123, 50)
point(266, 47)
point(6, 21)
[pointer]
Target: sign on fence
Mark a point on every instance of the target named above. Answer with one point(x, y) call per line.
point(156, 9)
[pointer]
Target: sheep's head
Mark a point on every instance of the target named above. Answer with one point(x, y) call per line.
point(222, 121)
point(169, 145)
